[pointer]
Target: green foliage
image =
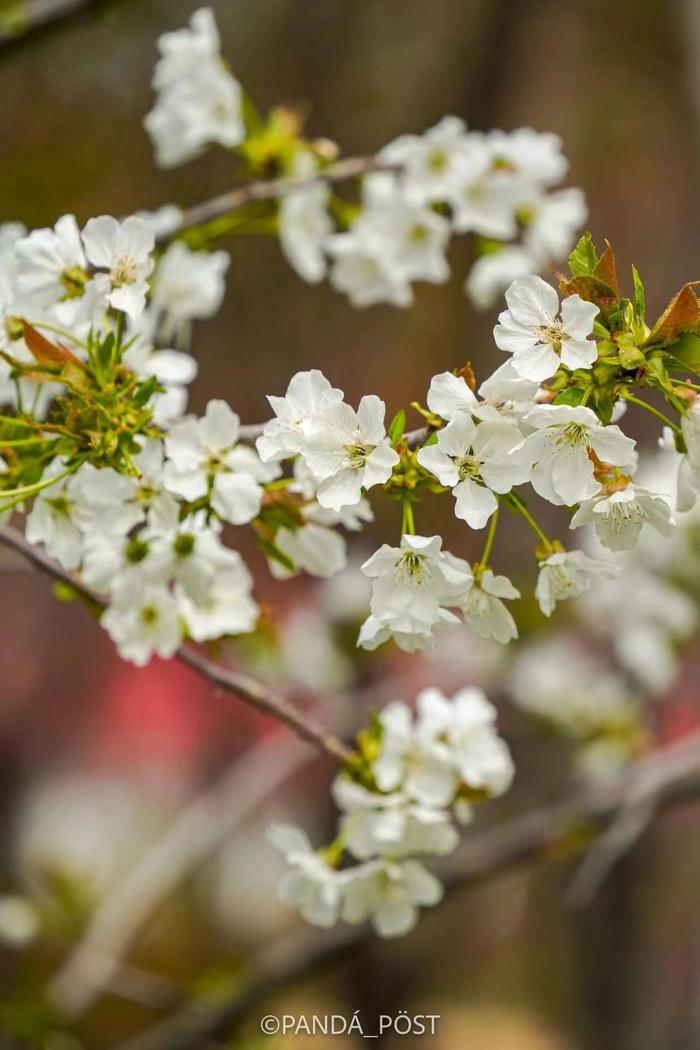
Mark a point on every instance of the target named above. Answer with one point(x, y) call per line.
point(584, 258)
point(397, 427)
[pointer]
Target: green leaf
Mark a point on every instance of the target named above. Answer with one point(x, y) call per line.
point(272, 551)
point(639, 298)
point(685, 354)
point(146, 391)
point(584, 258)
point(397, 427)
point(573, 395)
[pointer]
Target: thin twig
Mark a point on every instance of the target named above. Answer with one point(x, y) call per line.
point(669, 776)
point(32, 17)
point(246, 688)
point(269, 189)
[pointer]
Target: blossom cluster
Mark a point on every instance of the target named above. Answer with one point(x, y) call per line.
point(139, 500)
point(414, 778)
point(497, 186)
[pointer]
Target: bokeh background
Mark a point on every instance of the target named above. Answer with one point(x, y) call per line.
point(96, 756)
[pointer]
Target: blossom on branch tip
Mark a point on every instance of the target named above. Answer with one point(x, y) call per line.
point(539, 340)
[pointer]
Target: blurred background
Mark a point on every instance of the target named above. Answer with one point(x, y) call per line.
point(97, 758)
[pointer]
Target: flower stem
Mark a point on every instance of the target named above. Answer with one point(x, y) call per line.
point(29, 490)
point(408, 525)
point(488, 547)
point(26, 441)
point(654, 411)
point(519, 506)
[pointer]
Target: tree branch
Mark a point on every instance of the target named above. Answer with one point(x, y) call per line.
point(269, 189)
point(246, 688)
point(668, 777)
point(29, 18)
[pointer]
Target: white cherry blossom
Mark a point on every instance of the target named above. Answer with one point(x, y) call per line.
point(412, 759)
point(389, 893)
point(414, 586)
point(483, 608)
point(476, 461)
point(47, 262)
point(308, 394)
point(204, 457)
point(124, 250)
point(466, 723)
point(364, 273)
point(312, 886)
point(567, 574)
point(432, 163)
point(304, 228)
point(143, 623)
point(348, 451)
point(539, 340)
point(390, 824)
point(187, 285)
point(228, 608)
point(620, 515)
point(562, 447)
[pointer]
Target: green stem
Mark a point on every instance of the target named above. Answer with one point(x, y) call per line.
point(58, 331)
point(17, 422)
point(518, 505)
point(654, 411)
point(684, 382)
point(408, 525)
point(26, 441)
point(29, 490)
point(119, 333)
point(488, 547)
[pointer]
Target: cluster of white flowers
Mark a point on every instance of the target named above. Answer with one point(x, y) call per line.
point(198, 101)
point(449, 181)
point(65, 280)
point(420, 772)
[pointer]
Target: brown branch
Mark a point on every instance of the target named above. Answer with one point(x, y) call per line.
point(250, 690)
point(670, 776)
point(269, 189)
point(31, 18)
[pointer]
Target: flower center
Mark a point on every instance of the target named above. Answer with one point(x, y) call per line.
point(554, 334)
point(437, 161)
point(124, 271)
point(468, 467)
point(357, 455)
point(620, 515)
point(149, 615)
point(573, 434)
point(412, 566)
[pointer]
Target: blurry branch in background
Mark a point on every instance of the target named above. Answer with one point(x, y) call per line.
point(266, 190)
point(183, 846)
point(246, 688)
point(23, 19)
point(668, 777)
